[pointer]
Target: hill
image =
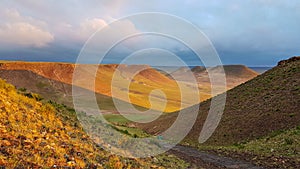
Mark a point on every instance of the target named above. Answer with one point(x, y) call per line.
point(235, 74)
point(33, 135)
point(38, 134)
point(265, 104)
point(141, 84)
point(27, 81)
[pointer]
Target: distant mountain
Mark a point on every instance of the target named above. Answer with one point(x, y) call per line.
point(236, 71)
point(235, 74)
point(198, 69)
point(265, 104)
point(260, 69)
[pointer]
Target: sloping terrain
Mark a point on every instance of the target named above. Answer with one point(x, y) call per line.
point(265, 104)
point(111, 80)
point(27, 81)
point(33, 135)
point(141, 84)
point(235, 74)
point(48, 135)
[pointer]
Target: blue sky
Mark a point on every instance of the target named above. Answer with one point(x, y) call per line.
point(250, 32)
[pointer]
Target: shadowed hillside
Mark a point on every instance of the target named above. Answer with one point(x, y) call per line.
point(267, 103)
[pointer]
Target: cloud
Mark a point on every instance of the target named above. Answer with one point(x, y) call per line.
point(17, 30)
point(257, 28)
point(90, 26)
point(107, 38)
point(81, 32)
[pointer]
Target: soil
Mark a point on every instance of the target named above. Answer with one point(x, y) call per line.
point(201, 159)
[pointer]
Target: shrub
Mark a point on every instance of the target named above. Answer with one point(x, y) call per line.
point(22, 89)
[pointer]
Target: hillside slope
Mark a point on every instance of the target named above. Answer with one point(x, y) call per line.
point(265, 104)
point(37, 134)
point(235, 74)
point(140, 86)
point(33, 135)
point(51, 89)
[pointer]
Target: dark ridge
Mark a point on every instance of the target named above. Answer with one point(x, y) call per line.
point(293, 59)
point(198, 69)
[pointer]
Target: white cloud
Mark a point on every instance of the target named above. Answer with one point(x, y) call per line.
point(116, 31)
point(24, 34)
point(17, 30)
point(87, 27)
point(90, 26)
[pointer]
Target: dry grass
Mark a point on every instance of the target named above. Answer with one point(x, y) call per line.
point(140, 86)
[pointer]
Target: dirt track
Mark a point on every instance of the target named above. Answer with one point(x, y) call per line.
point(200, 159)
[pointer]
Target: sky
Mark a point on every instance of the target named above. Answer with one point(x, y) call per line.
point(249, 32)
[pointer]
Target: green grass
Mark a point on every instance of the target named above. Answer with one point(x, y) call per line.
point(134, 132)
point(116, 119)
point(121, 120)
point(120, 123)
point(279, 149)
point(283, 143)
point(41, 85)
point(280, 143)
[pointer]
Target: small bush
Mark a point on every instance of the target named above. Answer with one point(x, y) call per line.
point(22, 89)
point(288, 141)
point(292, 114)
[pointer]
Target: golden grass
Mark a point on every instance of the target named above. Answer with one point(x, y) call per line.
point(33, 135)
point(139, 90)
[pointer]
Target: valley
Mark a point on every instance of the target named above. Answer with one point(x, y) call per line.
point(246, 135)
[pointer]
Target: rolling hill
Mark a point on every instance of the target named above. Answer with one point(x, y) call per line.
point(265, 104)
point(141, 84)
point(235, 74)
point(36, 134)
point(52, 89)
point(115, 78)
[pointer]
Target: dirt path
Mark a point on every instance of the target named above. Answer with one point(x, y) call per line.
point(200, 159)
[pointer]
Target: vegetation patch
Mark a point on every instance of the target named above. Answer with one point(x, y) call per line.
point(37, 134)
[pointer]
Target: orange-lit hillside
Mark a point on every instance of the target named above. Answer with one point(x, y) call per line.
point(140, 86)
point(33, 135)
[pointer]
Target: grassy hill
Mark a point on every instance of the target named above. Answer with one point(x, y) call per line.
point(37, 134)
point(27, 81)
point(235, 75)
point(33, 135)
point(140, 87)
point(267, 103)
point(260, 122)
